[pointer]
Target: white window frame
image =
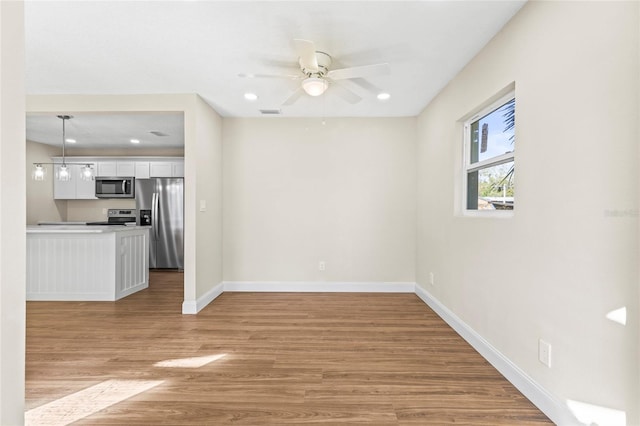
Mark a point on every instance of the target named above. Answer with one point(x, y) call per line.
point(467, 167)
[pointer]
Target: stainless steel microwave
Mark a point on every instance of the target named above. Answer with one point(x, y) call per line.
point(115, 187)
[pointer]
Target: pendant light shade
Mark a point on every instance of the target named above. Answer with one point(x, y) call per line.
point(62, 173)
point(39, 172)
point(87, 172)
point(315, 86)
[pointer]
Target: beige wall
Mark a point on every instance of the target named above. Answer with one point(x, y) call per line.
point(297, 192)
point(40, 203)
point(570, 254)
point(209, 191)
point(12, 213)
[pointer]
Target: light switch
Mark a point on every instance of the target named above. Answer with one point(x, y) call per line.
point(203, 205)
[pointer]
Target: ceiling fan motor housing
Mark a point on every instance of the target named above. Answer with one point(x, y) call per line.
point(324, 62)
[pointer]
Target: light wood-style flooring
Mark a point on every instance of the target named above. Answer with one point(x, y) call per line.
point(269, 359)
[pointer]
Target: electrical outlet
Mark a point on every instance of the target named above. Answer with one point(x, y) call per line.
point(544, 352)
point(104, 211)
point(321, 265)
point(431, 278)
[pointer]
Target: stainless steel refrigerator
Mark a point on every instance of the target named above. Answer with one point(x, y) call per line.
point(160, 204)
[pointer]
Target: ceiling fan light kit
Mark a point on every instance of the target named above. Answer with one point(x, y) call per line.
point(315, 86)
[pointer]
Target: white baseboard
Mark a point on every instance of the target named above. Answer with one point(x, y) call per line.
point(558, 412)
point(320, 286)
point(192, 307)
point(70, 297)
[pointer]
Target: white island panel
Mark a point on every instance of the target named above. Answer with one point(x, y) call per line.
point(133, 270)
point(102, 263)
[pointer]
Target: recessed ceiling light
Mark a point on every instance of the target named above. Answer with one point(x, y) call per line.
point(70, 140)
point(135, 141)
point(383, 96)
point(250, 96)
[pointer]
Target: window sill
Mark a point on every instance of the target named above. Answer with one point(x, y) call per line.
point(503, 214)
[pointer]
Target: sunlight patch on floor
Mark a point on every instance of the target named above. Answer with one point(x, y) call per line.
point(596, 415)
point(86, 402)
point(194, 362)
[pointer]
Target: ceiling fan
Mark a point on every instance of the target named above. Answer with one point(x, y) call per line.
point(316, 74)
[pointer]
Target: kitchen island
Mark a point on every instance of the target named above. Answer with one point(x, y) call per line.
point(86, 263)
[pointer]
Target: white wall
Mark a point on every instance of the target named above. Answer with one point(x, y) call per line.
point(12, 213)
point(570, 254)
point(297, 192)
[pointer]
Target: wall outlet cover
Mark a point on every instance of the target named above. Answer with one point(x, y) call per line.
point(544, 352)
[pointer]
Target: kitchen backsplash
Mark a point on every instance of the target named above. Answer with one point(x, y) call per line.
point(95, 210)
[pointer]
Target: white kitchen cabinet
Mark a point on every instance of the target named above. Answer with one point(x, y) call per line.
point(64, 190)
point(177, 169)
point(107, 169)
point(142, 170)
point(85, 189)
point(166, 169)
point(125, 168)
point(75, 188)
point(160, 169)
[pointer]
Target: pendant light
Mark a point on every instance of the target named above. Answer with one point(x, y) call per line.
point(39, 172)
point(62, 171)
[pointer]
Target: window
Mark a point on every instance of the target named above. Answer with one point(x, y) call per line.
point(490, 156)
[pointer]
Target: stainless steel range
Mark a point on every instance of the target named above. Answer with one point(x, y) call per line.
point(118, 217)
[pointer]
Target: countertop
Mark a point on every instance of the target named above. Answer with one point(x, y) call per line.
point(80, 229)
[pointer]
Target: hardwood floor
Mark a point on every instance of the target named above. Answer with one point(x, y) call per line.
point(274, 358)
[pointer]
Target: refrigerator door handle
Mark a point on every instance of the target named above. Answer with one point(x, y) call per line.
point(154, 206)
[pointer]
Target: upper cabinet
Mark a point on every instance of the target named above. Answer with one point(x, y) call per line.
point(125, 168)
point(177, 168)
point(106, 168)
point(160, 169)
point(166, 169)
point(142, 170)
point(116, 168)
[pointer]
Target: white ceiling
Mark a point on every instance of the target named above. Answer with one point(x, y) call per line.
point(109, 130)
point(147, 47)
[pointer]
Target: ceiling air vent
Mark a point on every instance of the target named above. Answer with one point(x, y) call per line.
point(270, 112)
point(157, 133)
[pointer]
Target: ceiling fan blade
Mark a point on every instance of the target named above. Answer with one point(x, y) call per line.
point(359, 72)
point(286, 76)
point(306, 51)
point(345, 93)
point(365, 85)
point(293, 97)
